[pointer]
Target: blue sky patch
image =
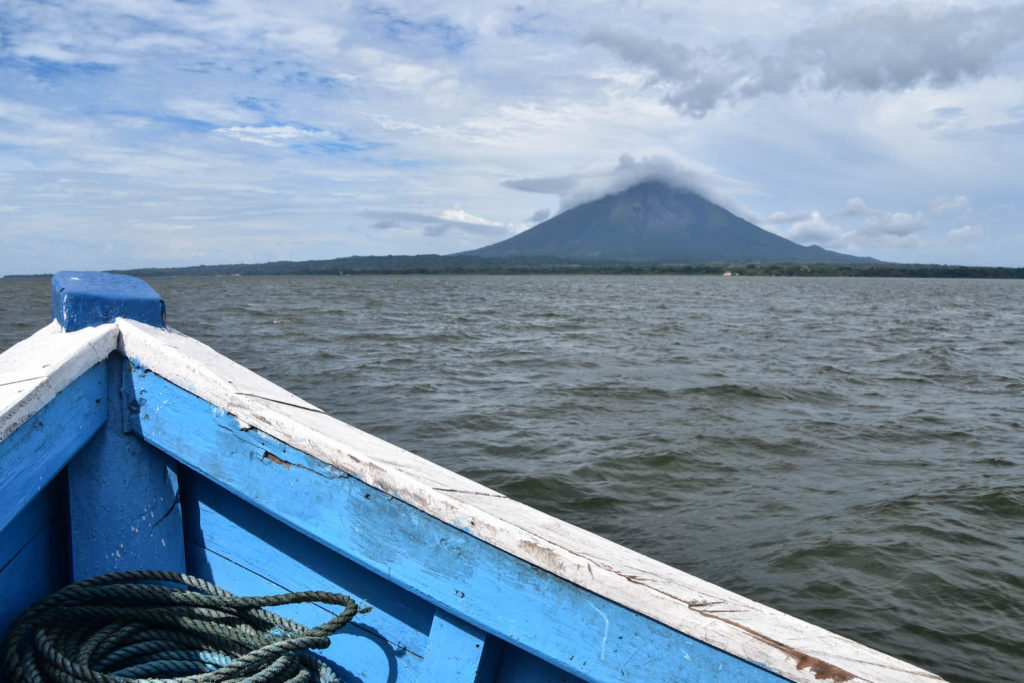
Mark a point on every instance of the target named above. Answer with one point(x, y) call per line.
point(52, 70)
point(428, 35)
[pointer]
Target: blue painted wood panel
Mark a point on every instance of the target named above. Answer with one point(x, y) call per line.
point(123, 496)
point(573, 629)
point(242, 548)
point(33, 552)
point(232, 543)
point(357, 655)
point(33, 455)
point(455, 651)
point(518, 666)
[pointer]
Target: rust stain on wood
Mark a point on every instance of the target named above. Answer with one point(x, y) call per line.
point(542, 555)
point(822, 670)
point(276, 460)
point(287, 464)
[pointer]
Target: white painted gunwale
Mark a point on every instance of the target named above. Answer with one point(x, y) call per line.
point(789, 646)
point(35, 370)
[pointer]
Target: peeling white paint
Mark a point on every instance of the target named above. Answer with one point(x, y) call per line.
point(34, 371)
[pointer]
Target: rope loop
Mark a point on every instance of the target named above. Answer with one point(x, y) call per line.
point(164, 626)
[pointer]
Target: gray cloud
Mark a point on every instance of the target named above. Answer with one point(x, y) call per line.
point(540, 215)
point(1014, 127)
point(576, 189)
point(855, 206)
point(814, 229)
point(859, 227)
point(389, 220)
point(553, 185)
point(874, 49)
point(877, 223)
point(893, 223)
point(627, 173)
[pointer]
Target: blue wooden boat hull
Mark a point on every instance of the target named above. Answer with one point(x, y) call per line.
point(126, 445)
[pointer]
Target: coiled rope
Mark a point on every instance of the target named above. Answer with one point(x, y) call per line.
point(120, 627)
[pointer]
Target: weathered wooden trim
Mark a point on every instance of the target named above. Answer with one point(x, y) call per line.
point(448, 567)
point(792, 648)
point(34, 371)
point(38, 450)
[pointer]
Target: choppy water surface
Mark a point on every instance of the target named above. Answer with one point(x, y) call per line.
point(846, 450)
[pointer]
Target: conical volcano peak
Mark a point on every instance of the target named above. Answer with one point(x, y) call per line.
point(655, 222)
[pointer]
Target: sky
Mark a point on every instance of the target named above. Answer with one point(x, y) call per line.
point(164, 133)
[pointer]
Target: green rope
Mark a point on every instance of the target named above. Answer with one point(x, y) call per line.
point(164, 626)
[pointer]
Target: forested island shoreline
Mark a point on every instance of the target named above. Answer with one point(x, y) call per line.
point(468, 265)
point(452, 265)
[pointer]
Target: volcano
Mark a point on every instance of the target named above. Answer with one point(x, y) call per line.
point(653, 222)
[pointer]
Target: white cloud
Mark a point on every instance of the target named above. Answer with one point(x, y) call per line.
point(778, 217)
point(275, 136)
point(585, 186)
point(158, 42)
point(815, 230)
point(893, 223)
point(460, 216)
point(436, 226)
point(210, 111)
point(855, 227)
point(44, 50)
point(965, 233)
point(946, 204)
point(629, 172)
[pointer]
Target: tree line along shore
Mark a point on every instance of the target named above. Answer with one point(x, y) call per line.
point(449, 265)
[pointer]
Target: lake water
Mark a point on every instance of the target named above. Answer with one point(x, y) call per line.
point(850, 451)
